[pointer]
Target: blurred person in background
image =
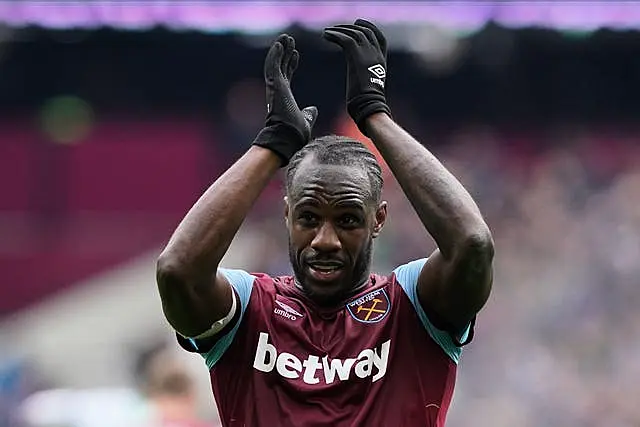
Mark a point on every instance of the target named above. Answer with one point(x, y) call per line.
point(168, 390)
point(332, 344)
point(164, 396)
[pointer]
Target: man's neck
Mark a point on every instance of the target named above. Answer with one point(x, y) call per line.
point(362, 285)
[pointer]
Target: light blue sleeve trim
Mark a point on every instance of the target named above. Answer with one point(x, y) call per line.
point(407, 276)
point(242, 282)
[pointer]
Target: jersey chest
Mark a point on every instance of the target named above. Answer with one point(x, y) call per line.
point(304, 366)
point(296, 342)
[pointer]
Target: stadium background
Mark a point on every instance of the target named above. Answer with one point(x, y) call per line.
point(114, 118)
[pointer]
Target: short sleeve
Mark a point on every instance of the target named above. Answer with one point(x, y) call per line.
point(407, 277)
point(242, 283)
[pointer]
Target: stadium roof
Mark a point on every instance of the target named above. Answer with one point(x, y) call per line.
point(268, 16)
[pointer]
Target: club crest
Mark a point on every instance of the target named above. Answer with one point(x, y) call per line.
point(370, 308)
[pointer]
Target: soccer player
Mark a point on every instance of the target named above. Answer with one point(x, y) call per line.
point(333, 344)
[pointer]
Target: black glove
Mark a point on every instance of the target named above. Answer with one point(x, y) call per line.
point(365, 49)
point(287, 128)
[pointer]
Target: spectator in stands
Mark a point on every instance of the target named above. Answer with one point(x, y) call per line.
point(168, 388)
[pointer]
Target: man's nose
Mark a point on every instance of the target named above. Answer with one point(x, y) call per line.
point(326, 239)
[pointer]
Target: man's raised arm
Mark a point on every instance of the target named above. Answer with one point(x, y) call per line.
point(456, 280)
point(194, 295)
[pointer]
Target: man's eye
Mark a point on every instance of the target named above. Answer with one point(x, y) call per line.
point(349, 220)
point(307, 217)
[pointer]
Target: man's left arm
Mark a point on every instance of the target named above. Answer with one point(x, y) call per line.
point(456, 279)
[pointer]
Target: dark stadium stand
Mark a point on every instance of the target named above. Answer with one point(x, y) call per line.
point(68, 211)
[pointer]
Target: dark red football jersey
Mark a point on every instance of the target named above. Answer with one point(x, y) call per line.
point(374, 361)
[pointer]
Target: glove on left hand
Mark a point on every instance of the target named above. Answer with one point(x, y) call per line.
point(365, 49)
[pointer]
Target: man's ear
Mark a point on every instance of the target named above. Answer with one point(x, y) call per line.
point(286, 210)
point(381, 217)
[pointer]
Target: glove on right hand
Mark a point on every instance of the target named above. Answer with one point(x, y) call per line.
point(287, 128)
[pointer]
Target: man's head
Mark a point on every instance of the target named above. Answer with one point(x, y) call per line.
point(333, 213)
point(163, 378)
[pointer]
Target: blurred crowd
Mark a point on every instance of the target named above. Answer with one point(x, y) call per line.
point(164, 395)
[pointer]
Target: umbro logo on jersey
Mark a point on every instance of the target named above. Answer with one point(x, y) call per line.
point(370, 308)
point(378, 71)
point(286, 311)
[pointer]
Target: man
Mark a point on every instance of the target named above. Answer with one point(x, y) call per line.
point(333, 344)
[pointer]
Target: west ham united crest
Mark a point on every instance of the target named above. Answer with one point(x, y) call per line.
point(370, 308)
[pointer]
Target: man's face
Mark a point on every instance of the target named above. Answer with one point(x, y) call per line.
point(332, 223)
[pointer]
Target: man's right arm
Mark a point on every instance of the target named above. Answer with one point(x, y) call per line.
point(194, 294)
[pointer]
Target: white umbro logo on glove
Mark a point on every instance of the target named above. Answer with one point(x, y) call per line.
point(379, 72)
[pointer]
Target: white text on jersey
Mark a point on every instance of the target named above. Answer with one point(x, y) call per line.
point(289, 366)
point(286, 311)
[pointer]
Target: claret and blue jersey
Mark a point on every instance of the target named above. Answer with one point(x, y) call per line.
point(374, 361)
